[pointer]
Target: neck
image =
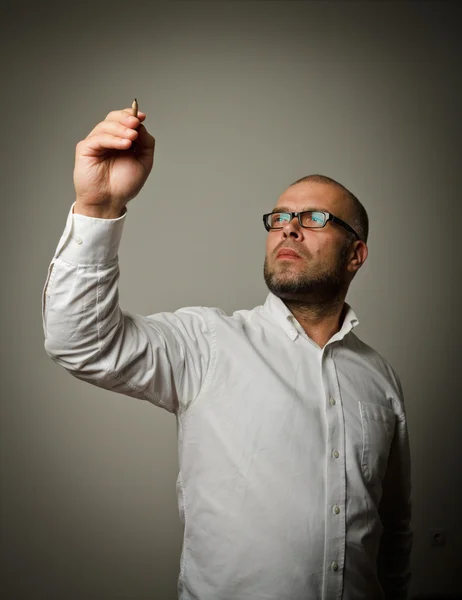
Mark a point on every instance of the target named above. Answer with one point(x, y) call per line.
point(319, 321)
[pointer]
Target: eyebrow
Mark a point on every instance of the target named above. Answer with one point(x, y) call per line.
point(285, 209)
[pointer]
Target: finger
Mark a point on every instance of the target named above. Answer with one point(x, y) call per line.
point(145, 139)
point(144, 147)
point(118, 115)
point(116, 128)
point(94, 145)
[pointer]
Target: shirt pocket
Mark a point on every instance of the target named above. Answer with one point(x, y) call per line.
point(378, 426)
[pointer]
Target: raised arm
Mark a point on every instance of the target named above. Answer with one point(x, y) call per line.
point(162, 358)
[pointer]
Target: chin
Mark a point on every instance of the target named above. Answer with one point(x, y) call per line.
point(286, 288)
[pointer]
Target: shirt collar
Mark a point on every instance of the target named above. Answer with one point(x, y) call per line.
point(279, 312)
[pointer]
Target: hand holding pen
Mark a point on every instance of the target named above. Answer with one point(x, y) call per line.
point(108, 172)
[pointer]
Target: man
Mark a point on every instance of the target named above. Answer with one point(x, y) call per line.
point(294, 478)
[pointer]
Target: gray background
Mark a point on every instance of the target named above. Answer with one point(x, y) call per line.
point(243, 98)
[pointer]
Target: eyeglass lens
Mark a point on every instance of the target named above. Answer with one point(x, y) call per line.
point(309, 219)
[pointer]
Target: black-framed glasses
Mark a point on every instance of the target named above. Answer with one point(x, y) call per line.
point(311, 219)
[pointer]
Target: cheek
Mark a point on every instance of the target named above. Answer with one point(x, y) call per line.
point(324, 249)
point(271, 244)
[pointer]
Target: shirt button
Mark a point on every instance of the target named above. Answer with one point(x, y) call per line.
point(335, 566)
point(335, 454)
point(336, 510)
point(78, 240)
point(332, 401)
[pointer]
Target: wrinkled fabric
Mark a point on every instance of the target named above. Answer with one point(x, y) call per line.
point(294, 479)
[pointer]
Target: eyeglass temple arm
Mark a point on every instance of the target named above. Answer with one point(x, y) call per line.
point(343, 224)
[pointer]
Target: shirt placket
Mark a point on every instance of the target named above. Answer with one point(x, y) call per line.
point(334, 559)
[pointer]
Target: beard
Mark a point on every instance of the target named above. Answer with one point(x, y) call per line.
point(323, 285)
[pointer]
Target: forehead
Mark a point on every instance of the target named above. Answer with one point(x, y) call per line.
point(314, 196)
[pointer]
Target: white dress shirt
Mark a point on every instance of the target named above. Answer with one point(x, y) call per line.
point(294, 479)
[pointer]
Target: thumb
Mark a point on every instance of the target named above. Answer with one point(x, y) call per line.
point(145, 144)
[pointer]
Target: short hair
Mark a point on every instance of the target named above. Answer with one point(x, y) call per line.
point(360, 221)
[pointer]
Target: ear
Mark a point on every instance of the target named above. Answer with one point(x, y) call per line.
point(357, 256)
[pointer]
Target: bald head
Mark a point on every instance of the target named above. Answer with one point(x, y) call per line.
point(355, 213)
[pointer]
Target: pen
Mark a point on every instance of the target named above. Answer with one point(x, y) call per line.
point(135, 114)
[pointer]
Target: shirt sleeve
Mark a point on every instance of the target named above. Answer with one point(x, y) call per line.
point(164, 358)
point(395, 511)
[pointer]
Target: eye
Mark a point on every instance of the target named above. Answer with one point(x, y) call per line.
point(278, 218)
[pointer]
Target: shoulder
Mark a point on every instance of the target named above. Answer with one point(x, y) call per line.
point(206, 314)
point(375, 360)
point(369, 353)
point(185, 322)
point(215, 313)
point(221, 324)
point(200, 312)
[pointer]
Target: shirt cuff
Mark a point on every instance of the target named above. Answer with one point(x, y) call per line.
point(89, 240)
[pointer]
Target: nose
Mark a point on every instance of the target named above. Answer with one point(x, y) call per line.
point(292, 229)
